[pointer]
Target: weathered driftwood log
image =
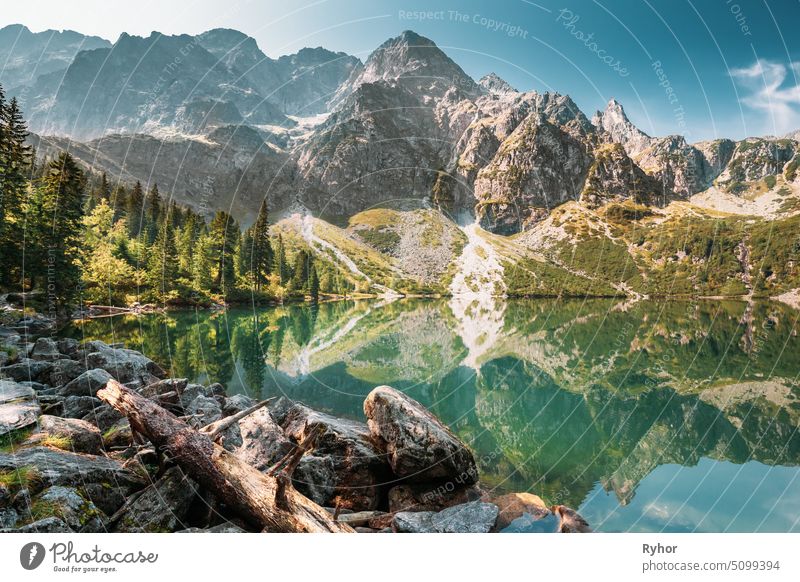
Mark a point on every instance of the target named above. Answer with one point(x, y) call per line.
point(267, 501)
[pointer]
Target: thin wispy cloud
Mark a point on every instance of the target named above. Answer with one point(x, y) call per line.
point(773, 89)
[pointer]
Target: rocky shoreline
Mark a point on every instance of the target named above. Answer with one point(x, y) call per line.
point(70, 462)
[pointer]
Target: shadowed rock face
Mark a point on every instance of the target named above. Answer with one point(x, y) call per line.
point(358, 469)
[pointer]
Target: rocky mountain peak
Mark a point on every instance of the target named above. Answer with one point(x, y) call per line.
point(614, 121)
point(496, 85)
point(414, 62)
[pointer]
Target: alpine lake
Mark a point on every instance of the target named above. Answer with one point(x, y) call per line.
point(672, 416)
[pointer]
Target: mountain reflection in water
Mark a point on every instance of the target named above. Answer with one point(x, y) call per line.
point(647, 416)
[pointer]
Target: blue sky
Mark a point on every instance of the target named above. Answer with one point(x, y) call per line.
point(706, 69)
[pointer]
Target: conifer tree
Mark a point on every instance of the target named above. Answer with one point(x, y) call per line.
point(153, 211)
point(225, 237)
point(134, 208)
point(261, 255)
point(301, 270)
point(281, 266)
point(161, 264)
point(62, 192)
point(313, 283)
point(15, 160)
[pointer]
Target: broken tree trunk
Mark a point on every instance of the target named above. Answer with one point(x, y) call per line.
point(269, 502)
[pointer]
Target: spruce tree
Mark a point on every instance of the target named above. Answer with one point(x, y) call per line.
point(62, 200)
point(261, 255)
point(15, 160)
point(301, 270)
point(281, 266)
point(134, 208)
point(225, 237)
point(161, 264)
point(313, 283)
point(153, 213)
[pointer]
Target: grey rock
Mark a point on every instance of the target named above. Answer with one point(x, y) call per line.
point(263, 441)
point(105, 496)
point(418, 446)
point(87, 384)
point(315, 477)
point(80, 406)
point(236, 403)
point(226, 527)
point(104, 416)
point(27, 370)
point(413, 522)
point(360, 467)
point(63, 372)
point(473, 517)
point(69, 505)
point(163, 507)
point(18, 406)
point(192, 391)
point(45, 348)
point(57, 467)
point(83, 436)
point(11, 391)
point(8, 517)
point(207, 410)
point(46, 525)
point(124, 365)
point(68, 346)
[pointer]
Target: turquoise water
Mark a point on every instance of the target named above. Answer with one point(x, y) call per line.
point(647, 416)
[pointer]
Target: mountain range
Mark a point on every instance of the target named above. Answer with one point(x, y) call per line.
point(408, 138)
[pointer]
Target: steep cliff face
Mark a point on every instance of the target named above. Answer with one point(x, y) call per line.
point(755, 159)
point(298, 84)
point(365, 153)
point(679, 167)
point(496, 85)
point(538, 167)
point(148, 84)
point(26, 55)
point(614, 177)
point(616, 124)
point(413, 62)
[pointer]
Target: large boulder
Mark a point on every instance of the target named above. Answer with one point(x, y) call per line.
point(205, 410)
point(27, 370)
point(18, 406)
point(67, 504)
point(359, 467)
point(263, 441)
point(473, 517)
point(45, 348)
point(57, 467)
point(419, 447)
point(80, 406)
point(87, 384)
point(163, 507)
point(126, 366)
point(83, 437)
point(63, 371)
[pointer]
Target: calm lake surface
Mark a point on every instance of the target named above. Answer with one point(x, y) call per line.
point(646, 416)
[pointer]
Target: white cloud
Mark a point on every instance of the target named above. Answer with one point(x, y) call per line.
point(773, 89)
